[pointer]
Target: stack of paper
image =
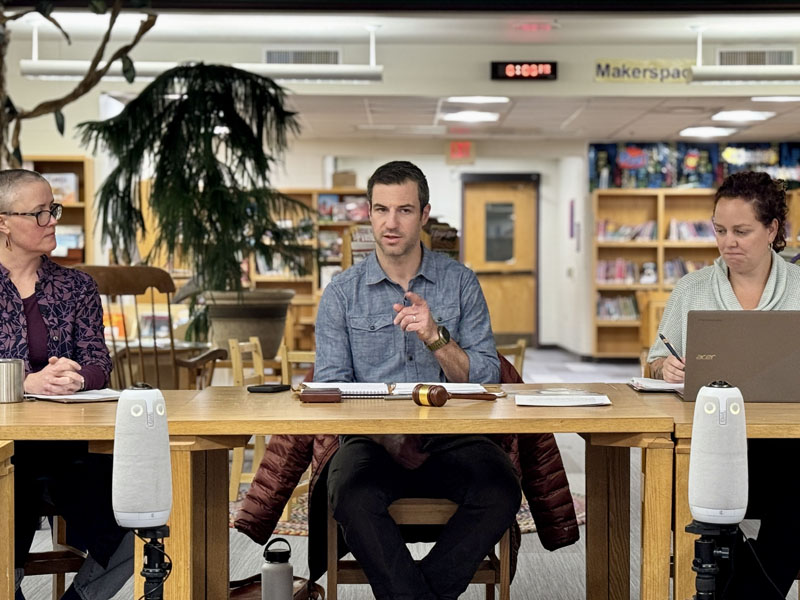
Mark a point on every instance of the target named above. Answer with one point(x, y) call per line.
point(645, 384)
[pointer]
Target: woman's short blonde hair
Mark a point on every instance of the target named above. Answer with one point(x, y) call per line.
point(11, 180)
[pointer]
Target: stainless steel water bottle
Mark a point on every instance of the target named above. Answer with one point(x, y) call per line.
point(276, 572)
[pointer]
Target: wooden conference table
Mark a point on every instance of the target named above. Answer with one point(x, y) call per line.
point(204, 424)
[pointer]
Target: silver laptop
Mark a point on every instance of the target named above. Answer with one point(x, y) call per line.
point(756, 351)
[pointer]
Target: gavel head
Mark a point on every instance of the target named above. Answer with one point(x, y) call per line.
point(429, 395)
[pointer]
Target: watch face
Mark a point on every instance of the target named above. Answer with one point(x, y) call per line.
point(444, 335)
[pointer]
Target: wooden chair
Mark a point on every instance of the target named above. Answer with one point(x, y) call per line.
point(138, 354)
point(517, 350)
point(421, 511)
point(59, 561)
point(289, 359)
point(651, 308)
point(237, 352)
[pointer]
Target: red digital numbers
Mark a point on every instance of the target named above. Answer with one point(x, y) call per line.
point(526, 70)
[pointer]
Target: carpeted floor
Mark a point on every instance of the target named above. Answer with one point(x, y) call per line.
point(298, 523)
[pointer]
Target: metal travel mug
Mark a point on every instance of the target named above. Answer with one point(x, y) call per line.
point(12, 376)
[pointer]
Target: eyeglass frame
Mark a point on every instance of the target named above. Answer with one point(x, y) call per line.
point(55, 207)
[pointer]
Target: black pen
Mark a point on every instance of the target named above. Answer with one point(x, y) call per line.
point(669, 347)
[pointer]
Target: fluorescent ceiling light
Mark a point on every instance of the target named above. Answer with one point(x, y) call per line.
point(742, 116)
point(479, 99)
point(775, 98)
point(76, 69)
point(749, 74)
point(707, 132)
point(472, 116)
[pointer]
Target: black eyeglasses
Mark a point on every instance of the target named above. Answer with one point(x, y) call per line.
point(42, 216)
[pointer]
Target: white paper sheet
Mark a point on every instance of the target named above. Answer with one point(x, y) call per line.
point(88, 396)
point(560, 397)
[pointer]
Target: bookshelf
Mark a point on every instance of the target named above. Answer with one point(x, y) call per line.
point(72, 179)
point(333, 211)
point(645, 239)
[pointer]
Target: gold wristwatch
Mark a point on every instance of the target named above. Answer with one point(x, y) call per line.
point(444, 339)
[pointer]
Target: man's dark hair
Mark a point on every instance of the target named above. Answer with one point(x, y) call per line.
point(398, 172)
point(767, 195)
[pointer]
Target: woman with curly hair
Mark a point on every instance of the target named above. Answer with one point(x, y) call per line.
point(749, 223)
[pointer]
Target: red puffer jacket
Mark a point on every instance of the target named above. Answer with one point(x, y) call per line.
point(535, 456)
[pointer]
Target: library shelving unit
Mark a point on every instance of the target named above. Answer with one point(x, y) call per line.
point(659, 216)
point(793, 233)
point(78, 201)
point(327, 225)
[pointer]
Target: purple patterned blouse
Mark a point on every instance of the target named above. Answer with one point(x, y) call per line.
point(71, 308)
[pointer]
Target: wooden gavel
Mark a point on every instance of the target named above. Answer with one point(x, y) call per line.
point(425, 394)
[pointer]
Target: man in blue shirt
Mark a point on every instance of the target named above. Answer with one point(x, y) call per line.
point(407, 314)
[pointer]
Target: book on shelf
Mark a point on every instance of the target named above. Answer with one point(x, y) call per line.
point(68, 237)
point(325, 204)
point(356, 208)
point(622, 271)
point(609, 231)
point(330, 244)
point(64, 186)
point(362, 242)
point(339, 212)
point(326, 274)
point(362, 233)
point(676, 268)
point(617, 308)
point(691, 231)
point(277, 267)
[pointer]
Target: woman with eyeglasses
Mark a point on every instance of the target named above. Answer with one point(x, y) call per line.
point(52, 318)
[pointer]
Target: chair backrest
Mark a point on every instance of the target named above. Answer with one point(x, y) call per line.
point(651, 308)
point(237, 350)
point(290, 358)
point(140, 330)
point(517, 350)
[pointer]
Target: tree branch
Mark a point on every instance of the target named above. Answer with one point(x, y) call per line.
point(95, 74)
point(58, 26)
point(5, 18)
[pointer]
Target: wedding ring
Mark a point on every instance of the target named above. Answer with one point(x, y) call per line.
point(414, 317)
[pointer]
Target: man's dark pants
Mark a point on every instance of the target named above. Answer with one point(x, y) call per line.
point(472, 471)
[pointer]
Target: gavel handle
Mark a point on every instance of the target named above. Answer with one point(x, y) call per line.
point(489, 397)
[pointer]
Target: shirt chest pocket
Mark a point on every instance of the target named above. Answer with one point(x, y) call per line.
point(448, 316)
point(373, 338)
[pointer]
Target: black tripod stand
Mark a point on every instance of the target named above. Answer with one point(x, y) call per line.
point(157, 565)
point(714, 544)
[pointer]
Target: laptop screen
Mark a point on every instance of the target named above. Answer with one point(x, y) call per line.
point(756, 351)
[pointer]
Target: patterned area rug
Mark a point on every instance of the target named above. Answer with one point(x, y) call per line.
point(298, 524)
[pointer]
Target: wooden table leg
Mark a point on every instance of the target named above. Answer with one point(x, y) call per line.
point(607, 523)
point(6, 520)
point(656, 511)
point(198, 542)
point(683, 542)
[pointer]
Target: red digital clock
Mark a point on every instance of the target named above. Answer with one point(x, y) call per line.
point(525, 70)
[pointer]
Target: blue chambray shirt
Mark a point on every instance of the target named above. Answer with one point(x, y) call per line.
point(358, 341)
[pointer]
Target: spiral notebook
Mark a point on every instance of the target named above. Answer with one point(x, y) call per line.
point(353, 390)
point(381, 390)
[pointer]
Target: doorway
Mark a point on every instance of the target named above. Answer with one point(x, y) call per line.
point(500, 244)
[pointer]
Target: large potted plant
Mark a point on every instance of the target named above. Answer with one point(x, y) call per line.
point(207, 138)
